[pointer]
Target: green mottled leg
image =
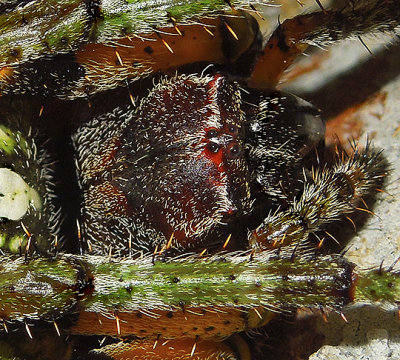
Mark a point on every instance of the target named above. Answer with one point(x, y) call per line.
point(28, 218)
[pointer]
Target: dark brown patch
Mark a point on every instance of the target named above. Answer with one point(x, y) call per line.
point(149, 50)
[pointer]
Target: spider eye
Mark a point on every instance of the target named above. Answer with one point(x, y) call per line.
point(213, 147)
point(233, 151)
point(233, 129)
point(212, 133)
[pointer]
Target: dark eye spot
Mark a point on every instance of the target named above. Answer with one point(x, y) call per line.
point(232, 129)
point(212, 133)
point(213, 147)
point(233, 151)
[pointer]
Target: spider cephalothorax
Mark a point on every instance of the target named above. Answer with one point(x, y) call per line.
point(193, 161)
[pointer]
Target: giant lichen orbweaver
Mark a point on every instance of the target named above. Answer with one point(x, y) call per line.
point(201, 193)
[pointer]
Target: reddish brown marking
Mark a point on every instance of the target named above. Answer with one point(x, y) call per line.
point(216, 158)
point(6, 73)
point(213, 85)
point(282, 48)
point(208, 324)
point(314, 63)
point(204, 323)
point(140, 56)
point(107, 193)
point(170, 350)
point(108, 157)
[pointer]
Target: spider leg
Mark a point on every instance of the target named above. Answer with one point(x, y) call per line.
point(333, 193)
point(107, 59)
point(173, 349)
point(293, 36)
point(282, 134)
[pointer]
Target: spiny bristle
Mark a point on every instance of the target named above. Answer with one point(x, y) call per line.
point(231, 31)
point(193, 348)
point(57, 328)
point(167, 46)
point(118, 325)
point(320, 5)
point(28, 330)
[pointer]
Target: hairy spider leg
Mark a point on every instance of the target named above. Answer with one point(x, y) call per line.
point(332, 194)
point(220, 40)
point(162, 349)
point(101, 65)
point(323, 28)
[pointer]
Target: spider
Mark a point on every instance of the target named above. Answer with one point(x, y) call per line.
point(222, 161)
